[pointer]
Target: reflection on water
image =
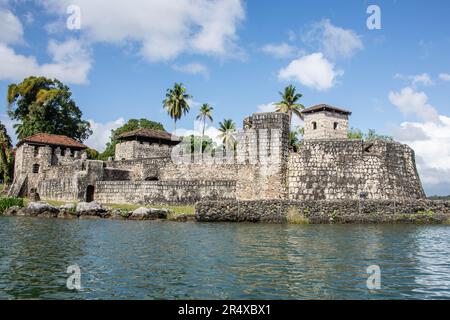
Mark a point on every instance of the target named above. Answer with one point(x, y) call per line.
point(167, 260)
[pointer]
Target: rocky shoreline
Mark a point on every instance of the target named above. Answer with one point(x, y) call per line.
point(266, 211)
point(92, 210)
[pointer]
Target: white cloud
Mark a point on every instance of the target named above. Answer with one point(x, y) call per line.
point(280, 50)
point(210, 131)
point(334, 41)
point(411, 102)
point(431, 143)
point(313, 71)
point(11, 29)
point(270, 107)
point(101, 133)
point(419, 79)
point(164, 29)
point(444, 76)
point(71, 63)
point(192, 68)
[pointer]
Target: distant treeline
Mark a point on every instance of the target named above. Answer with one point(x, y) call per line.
point(439, 197)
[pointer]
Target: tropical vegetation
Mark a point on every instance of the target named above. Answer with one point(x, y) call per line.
point(177, 102)
point(132, 124)
point(204, 114)
point(42, 105)
point(289, 104)
point(6, 156)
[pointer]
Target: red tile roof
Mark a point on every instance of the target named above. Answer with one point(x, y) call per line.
point(325, 107)
point(149, 133)
point(54, 140)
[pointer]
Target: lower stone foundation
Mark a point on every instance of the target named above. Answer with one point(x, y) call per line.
point(325, 211)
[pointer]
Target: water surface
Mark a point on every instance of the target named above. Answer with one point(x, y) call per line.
point(169, 260)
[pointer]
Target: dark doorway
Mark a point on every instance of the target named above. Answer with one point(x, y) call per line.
point(90, 193)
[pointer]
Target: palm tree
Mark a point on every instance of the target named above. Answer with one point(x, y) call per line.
point(289, 103)
point(176, 102)
point(6, 159)
point(205, 114)
point(227, 130)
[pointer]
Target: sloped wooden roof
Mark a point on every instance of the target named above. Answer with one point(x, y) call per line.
point(325, 107)
point(54, 140)
point(148, 133)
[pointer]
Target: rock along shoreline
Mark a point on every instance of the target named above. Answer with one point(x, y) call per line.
point(92, 210)
point(265, 211)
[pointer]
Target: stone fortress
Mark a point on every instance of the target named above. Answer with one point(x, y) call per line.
point(152, 167)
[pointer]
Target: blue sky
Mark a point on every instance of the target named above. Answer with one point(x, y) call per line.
point(237, 55)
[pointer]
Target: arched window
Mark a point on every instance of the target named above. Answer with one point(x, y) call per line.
point(335, 126)
point(35, 168)
point(314, 125)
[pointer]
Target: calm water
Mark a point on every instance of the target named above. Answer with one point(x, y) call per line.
point(166, 260)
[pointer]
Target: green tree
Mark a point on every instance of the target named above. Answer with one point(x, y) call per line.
point(132, 124)
point(92, 154)
point(6, 155)
point(227, 130)
point(289, 104)
point(354, 133)
point(43, 105)
point(176, 102)
point(193, 142)
point(205, 114)
point(294, 138)
point(371, 135)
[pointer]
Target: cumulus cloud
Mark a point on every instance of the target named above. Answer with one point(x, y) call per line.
point(210, 131)
point(11, 29)
point(192, 68)
point(101, 133)
point(444, 76)
point(313, 71)
point(71, 63)
point(334, 41)
point(163, 29)
point(280, 50)
point(423, 79)
point(431, 143)
point(411, 102)
point(270, 107)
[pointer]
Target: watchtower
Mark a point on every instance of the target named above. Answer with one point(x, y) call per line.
point(325, 122)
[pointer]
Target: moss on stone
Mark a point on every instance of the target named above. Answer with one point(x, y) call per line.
point(295, 217)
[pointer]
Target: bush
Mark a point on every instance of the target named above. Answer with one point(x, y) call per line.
point(9, 202)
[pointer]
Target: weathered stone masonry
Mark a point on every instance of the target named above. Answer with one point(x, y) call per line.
point(327, 166)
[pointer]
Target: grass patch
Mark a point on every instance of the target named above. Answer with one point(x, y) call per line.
point(8, 202)
point(177, 210)
point(295, 217)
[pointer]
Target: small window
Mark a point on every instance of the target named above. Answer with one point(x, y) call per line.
point(63, 152)
point(36, 151)
point(72, 153)
point(314, 124)
point(335, 126)
point(35, 168)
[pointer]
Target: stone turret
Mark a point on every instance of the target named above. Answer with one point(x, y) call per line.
point(325, 122)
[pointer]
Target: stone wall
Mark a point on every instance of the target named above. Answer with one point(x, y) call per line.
point(325, 125)
point(128, 150)
point(163, 192)
point(342, 169)
point(142, 169)
point(62, 189)
point(325, 211)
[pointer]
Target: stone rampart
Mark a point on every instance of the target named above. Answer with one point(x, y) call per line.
point(325, 211)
